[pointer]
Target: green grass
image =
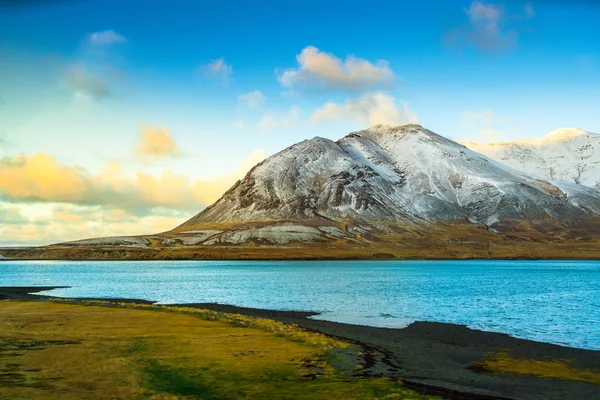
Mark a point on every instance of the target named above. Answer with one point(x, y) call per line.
point(50, 350)
point(180, 381)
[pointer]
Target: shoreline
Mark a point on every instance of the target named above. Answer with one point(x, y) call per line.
point(308, 259)
point(429, 357)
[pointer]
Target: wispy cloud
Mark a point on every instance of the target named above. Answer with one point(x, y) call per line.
point(217, 69)
point(486, 28)
point(106, 38)
point(529, 11)
point(95, 74)
point(318, 69)
point(87, 83)
point(253, 100)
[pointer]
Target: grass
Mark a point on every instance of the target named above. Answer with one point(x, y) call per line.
point(563, 369)
point(52, 350)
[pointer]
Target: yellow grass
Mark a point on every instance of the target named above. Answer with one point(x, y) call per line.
point(50, 350)
point(502, 362)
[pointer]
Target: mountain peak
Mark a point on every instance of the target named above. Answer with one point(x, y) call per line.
point(389, 132)
point(564, 134)
point(395, 128)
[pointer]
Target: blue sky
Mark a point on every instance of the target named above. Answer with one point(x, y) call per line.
point(127, 97)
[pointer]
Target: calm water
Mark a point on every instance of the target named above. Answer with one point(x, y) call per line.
point(551, 301)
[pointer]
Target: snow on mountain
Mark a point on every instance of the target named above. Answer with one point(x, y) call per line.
point(402, 176)
point(566, 154)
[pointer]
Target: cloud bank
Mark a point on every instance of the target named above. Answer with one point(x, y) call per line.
point(40, 178)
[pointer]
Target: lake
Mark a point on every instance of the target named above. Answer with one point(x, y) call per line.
point(549, 301)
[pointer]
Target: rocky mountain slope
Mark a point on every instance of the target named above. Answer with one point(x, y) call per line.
point(568, 154)
point(400, 191)
point(383, 178)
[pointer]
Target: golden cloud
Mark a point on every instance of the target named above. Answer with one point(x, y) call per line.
point(41, 178)
point(320, 69)
point(156, 143)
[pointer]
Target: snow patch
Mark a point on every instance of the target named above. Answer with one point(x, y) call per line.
point(278, 234)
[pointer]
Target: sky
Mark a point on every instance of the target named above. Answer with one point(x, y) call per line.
point(124, 118)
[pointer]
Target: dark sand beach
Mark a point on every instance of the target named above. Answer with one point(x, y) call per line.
point(429, 357)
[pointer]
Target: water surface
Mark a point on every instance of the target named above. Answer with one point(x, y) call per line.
point(550, 301)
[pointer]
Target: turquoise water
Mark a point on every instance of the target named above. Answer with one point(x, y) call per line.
point(550, 301)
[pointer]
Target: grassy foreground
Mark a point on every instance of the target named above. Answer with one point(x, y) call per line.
point(50, 350)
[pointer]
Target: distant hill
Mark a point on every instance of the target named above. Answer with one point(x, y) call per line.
point(568, 154)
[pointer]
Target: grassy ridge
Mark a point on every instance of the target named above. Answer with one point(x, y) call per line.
point(50, 350)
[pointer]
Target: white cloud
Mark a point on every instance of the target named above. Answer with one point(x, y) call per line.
point(106, 38)
point(486, 28)
point(318, 69)
point(217, 69)
point(370, 109)
point(254, 99)
point(87, 83)
point(272, 121)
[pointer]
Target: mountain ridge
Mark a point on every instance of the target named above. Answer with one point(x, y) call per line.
point(404, 173)
point(565, 154)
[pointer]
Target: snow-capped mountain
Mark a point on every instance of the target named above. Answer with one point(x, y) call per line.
point(379, 179)
point(567, 154)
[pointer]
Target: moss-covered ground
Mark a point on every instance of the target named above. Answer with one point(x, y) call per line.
point(52, 350)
